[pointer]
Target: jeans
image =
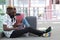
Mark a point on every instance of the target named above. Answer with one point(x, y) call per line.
point(25, 22)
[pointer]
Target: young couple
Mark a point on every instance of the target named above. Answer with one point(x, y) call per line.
point(10, 22)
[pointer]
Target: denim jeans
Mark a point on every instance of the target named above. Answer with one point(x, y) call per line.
point(25, 22)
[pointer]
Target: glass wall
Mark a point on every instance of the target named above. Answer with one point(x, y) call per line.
point(2, 5)
point(2, 11)
point(56, 9)
point(44, 10)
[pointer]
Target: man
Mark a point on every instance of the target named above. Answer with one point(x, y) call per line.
point(13, 32)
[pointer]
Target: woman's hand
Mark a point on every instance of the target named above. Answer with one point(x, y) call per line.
point(17, 24)
point(16, 28)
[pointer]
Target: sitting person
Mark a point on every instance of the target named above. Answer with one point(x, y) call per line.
point(20, 20)
point(12, 32)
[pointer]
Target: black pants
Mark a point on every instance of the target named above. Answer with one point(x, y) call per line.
point(18, 33)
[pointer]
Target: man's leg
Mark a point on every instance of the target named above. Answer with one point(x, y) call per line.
point(18, 33)
point(38, 32)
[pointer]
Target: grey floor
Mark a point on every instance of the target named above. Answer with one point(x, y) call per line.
point(55, 35)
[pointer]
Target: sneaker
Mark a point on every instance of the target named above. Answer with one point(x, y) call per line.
point(48, 29)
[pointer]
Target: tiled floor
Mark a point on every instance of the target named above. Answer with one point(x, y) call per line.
point(54, 36)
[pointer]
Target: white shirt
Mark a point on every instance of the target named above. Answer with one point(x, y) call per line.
point(7, 21)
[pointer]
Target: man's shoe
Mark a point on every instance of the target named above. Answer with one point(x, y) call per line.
point(48, 29)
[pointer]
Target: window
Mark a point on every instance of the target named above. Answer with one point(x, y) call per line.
point(56, 9)
point(43, 9)
point(3, 5)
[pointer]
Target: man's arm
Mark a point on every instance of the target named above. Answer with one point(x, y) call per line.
point(5, 28)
